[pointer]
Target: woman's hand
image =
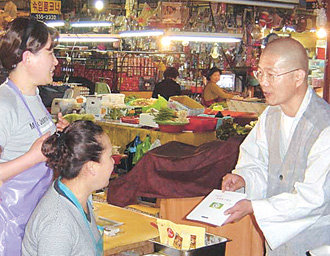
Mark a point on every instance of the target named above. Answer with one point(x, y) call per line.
point(61, 123)
point(34, 152)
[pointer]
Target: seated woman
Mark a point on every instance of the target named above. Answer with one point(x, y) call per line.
point(168, 87)
point(63, 222)
point(212, 92)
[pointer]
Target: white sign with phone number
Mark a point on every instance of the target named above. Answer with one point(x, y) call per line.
point(41, 16)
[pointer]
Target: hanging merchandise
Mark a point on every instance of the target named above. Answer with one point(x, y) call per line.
point(215, 51)
point(321, 18)
point(145, 14)
point(129, 4)
point(277, 22)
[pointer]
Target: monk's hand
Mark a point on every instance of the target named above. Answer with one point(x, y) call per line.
point(238, 211)
point(232, 182)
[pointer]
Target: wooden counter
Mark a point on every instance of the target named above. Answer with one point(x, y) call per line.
point(121, 135)
point(134, 233)
point(245, 238)
point(137, 230)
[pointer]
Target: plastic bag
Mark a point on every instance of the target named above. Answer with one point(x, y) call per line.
point(141, 149)
point(156, 144)
point(127, 163)
point(160, 103)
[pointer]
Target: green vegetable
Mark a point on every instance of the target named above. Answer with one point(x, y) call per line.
point(226, 130)
point(217, 105)
point(229, 129)
point(165, 114)
point(74, 117)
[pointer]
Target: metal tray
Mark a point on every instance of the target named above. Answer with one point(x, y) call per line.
point(215, 246)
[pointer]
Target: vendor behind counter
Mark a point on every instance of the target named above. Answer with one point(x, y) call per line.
point(212, 92)
point(168, 87)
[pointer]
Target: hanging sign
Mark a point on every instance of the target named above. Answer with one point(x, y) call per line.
point(45, 9)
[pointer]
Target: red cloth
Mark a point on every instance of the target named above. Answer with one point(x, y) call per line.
point(176, 170)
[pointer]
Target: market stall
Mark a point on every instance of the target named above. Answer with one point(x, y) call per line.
point(192, 36)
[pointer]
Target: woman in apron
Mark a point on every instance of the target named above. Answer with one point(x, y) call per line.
point(63, 222)
point(26, 52)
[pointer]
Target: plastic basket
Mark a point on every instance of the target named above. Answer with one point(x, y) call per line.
point(192, 107)
point(201, 124)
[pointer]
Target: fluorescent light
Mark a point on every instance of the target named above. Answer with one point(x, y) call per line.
point(141, 33)
point(88, 38)
point(81, 24)
point(203, 37)
point(255, 3)
point(55, 23)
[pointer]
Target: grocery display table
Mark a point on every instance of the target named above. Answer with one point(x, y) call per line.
point(134, 233)
point(121, 135)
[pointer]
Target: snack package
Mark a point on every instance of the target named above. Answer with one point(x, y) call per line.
point(181, 237)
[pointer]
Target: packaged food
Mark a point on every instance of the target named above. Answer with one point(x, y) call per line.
point(181, 237)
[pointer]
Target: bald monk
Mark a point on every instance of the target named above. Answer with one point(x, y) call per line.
point(284, 163)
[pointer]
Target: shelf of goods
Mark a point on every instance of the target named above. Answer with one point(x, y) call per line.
point(128, 70)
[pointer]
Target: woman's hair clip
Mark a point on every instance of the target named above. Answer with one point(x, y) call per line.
point(60, 137)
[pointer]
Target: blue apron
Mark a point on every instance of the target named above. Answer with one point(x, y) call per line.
point(19, 196)
point(98, 244)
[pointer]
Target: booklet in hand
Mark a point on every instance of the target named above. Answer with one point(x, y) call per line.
point(211, 209)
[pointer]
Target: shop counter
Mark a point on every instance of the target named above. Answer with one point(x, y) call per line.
point(134, 233)
point(121, 135)
point(246, 238)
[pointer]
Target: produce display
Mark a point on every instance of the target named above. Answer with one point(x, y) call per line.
point(74, 117)
point(170, 117)
point(142, 102)
point(130, 98)
point(229, 129)
point(115, 113)
point(219, 106)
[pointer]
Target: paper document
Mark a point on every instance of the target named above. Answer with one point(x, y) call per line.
point(211, 209)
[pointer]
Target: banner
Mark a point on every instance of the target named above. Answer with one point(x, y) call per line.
point(45, 7)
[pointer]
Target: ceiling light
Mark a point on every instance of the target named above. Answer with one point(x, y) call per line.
point(99, 5)
point(321, 33)
point(257, 3)
point(203, 37)
point(55, 23)
point(88, 38)
point(141, 33)
point(86, 24)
